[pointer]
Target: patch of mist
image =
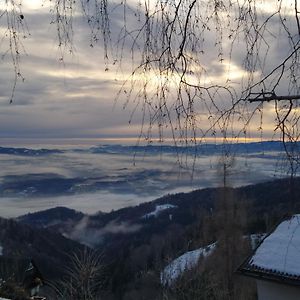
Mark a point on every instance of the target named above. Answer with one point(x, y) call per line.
point(85, 233)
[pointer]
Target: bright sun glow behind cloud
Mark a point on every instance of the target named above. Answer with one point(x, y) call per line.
point(269, 6)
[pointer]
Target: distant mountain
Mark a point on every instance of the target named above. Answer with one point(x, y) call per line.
point(28, 152)
point(37, 184)
point(48, 184)
point(202, 149)
point(51, 217)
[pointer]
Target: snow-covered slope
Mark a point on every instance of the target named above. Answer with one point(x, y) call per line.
point(189, 260)
point(158, 210)
point(183, 263)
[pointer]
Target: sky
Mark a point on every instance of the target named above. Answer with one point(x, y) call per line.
point(75, 98)
point(56, 99)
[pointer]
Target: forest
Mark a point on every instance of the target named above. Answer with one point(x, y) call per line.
point(129, 264)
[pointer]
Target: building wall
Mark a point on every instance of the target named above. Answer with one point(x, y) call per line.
point(267, 290)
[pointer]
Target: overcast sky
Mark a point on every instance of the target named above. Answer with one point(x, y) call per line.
point(75, 99)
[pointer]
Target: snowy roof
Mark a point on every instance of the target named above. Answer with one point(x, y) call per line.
point(278, 256)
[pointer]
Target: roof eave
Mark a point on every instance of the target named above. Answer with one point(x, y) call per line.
point(269, 276)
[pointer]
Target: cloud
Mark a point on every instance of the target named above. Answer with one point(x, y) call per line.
point(86, 233)
point(92, 182)
point(75, 98)
point(58, 99)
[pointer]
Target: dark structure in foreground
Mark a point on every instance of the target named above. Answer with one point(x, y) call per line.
point(19, 278)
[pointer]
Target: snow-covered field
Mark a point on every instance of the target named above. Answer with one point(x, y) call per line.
point(185, 262)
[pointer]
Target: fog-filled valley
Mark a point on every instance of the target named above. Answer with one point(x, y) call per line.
point(153, 221)
point(109, 177)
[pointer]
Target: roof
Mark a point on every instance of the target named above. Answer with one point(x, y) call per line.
point(277, 258)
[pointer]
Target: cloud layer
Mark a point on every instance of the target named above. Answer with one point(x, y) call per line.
point(111, 177)
point(75, 98)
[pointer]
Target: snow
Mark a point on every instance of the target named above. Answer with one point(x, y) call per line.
point(158, 210)
point(280, 251)
point(185, 262)
point(189, 260)
point(255, 239)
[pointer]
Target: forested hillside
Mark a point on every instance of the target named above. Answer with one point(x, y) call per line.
point(136, 243)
